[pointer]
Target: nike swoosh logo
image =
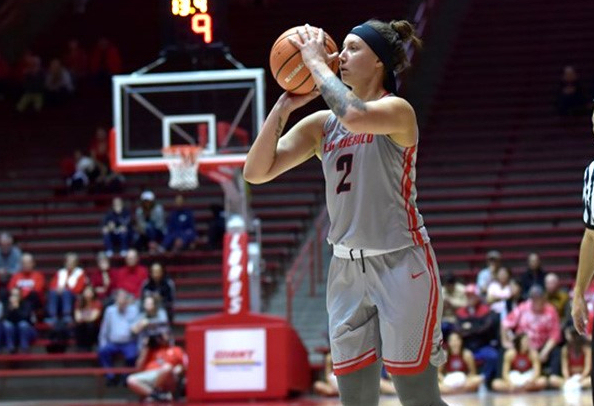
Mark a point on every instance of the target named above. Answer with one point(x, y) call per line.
point(416, 275)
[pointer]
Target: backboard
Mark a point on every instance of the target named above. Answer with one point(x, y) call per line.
point(219, 110)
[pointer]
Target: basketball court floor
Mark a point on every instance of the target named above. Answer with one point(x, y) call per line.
point(547, 398)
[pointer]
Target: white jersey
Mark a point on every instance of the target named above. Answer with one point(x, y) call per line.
point(370, 190)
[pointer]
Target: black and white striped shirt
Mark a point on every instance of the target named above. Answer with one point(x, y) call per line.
point(588, 195)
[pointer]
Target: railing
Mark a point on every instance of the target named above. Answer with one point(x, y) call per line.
point(307, 262)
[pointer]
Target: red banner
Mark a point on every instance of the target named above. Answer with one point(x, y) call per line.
point(235, 276)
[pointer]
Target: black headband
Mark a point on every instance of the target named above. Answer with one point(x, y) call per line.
point(382, 49)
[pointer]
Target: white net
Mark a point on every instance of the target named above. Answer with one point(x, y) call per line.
point(183, 162)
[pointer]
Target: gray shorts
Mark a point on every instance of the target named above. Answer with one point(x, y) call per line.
point(385, 306)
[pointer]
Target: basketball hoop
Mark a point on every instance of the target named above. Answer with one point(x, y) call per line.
point(182, 161)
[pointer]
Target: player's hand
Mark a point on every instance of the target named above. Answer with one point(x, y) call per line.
point(291, 101)
point(579, 313)
point(311, 46)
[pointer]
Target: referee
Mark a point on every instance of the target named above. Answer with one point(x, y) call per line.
point(579, 311)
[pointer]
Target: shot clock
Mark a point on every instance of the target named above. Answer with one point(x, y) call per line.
point(194, 23)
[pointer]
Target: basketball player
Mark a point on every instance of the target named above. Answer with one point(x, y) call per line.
point(384, 293)
point(579, 311)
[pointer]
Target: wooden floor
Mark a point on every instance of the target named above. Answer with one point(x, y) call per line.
point(547, 398)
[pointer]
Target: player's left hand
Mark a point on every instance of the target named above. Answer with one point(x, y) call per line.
point(311, 46)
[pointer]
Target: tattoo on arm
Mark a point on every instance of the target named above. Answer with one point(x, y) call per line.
point(338, 96)
point(279, 128)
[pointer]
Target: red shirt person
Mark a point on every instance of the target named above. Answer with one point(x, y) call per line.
point(131, 276)
point(30, 282)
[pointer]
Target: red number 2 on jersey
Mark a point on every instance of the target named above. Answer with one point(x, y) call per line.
point(344, 163)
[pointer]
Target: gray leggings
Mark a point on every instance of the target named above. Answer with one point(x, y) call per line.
point(361, 388)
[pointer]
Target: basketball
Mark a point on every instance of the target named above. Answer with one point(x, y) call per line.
point(288, 68)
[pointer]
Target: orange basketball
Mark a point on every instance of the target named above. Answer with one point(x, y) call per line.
point(287, 66)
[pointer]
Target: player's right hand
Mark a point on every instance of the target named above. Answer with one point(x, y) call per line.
point(292, 102)
point(579, 313)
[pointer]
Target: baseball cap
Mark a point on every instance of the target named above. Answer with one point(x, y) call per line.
point(493, 254)
point(147, 195)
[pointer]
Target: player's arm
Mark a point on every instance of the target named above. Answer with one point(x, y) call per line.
point(390, 115)
point(564, 363)
point(271, 154)
point(587, 361)
point(536, 364)
point(585, 270)
point(507, 360)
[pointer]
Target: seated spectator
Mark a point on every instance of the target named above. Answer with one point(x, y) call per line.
point(66, 284)
point(328, 386)
point(499, 290)
point(105, 61)
point(216, 227)
point(84, 172)
point(33, 86)
point(18, 323)
point(116, 336)
point(151, 320)
point(478, 326)
point(58, 83)
point(75, 60)
point(540, 322)
point(571, 99)
point(29, 282)
point(576, 363)
point(159, 283)
point(87, 316)
point(454, 297)
point(161, 366)
point(107, 180)
point(10, 262)
point(534, 275)
point(458, 374)
point(521, 369)
point(131, 276)
point(556, 296)
point(515, 299)
point(150, 223)
point(181, 231)
point(117, 228)
point(488, 273)
point(101, 279)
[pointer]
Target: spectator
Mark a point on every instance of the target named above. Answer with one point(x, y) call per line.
point(76, 60)
point(161, 366)
point(328, 386)
point(159, 283)
point(488, 273)
point(131, 276)
point(105, 61)
point(106, 180)
point(31, 283)
point(454, 297)
point(515, 299)
point(66, 284)
point(479, 327)
point(521, 369)
point(33, 85)
point(58, 83)
point(576, 362)
point(571, 99)
point(458, 374)
point(150, 223)
point(10, 262)
point(87, 316)
point(181, 231)
point(117, 228)
point(534, 274)
point(84, 172)
point(151, 320)
point(556, 296)
point(216, 227)
point(116, 336)
point(540, 322)
point(499, 290)
point(102, 279)
point(18, 323)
